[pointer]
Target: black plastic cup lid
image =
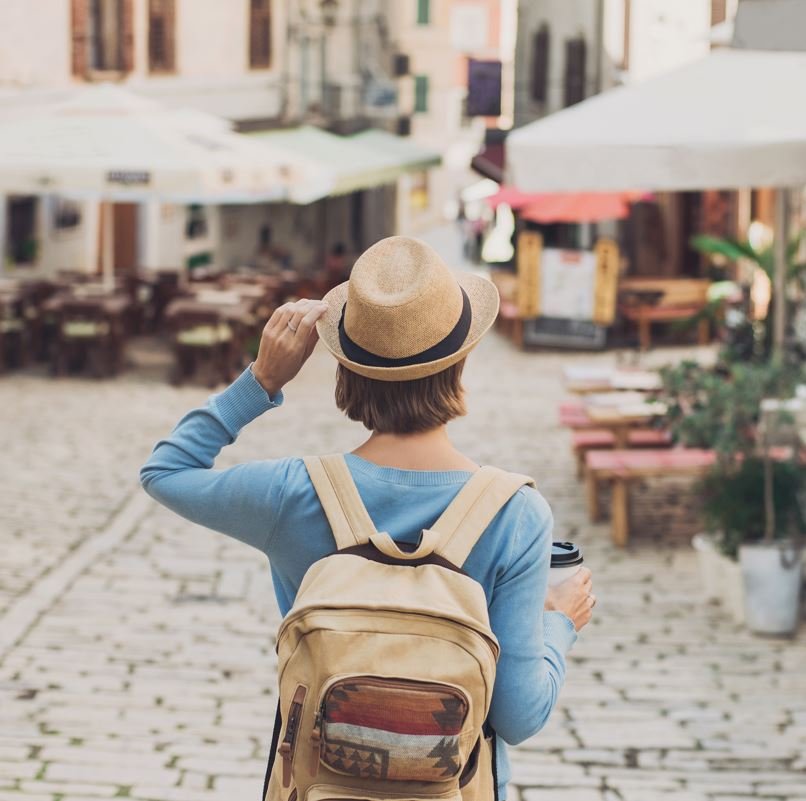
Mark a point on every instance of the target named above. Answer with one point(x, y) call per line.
point(565, 554)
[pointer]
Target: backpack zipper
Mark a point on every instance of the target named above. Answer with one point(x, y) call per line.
point(316, 739)
point(287, 746)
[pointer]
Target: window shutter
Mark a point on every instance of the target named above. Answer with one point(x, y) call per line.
point(575, 52)
point(423, 12)
point(540, 64)
point(259, 34)
point(421, 93)
point(127, 35)
point(79, 25)
point(719, 11)
point(162, 35)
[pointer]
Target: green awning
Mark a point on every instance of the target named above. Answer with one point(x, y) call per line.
point(363, 160)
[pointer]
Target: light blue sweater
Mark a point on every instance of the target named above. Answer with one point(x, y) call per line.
point(272, 506)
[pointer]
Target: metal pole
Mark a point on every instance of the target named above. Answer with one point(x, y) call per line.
point(108, 251)
point(3, 233)
point(780, 243)
point(323, 66)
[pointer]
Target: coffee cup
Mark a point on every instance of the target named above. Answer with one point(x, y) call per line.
point(566, 560)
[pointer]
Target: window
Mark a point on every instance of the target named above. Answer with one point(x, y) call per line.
point(421, 93)
point(259, 34)
point(575, 52)
point(22, 245)
point(423, 12)
point(540, 64)
point(161, 35)
point(103, 36)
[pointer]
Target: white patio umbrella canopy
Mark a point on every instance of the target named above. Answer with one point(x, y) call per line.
point(108, 143)
point(734, 119)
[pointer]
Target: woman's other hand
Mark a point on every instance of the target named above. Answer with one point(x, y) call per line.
point(573, 597)
point(288, 339)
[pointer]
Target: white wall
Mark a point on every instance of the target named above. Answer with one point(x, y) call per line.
point(71, 248)
point(666, 35)
point(35, 46)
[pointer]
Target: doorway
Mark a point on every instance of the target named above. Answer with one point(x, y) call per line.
point(124, 231)
point(22, 246)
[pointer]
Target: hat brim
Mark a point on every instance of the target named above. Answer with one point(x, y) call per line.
point(484, 301)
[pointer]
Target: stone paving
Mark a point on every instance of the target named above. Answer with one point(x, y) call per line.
point(136, 648)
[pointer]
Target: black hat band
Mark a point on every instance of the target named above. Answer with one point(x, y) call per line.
point(445, 347)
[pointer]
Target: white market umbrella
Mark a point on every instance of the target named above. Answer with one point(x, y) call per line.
point(106, 143)
point(734, 119)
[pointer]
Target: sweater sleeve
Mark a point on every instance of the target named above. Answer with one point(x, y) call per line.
point(242, 500)
point(531, 666)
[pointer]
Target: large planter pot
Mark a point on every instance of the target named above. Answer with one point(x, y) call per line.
point(721, 577)
point(772, 574)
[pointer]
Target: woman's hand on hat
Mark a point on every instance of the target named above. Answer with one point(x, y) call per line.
point(288, 339)
point(573, 597)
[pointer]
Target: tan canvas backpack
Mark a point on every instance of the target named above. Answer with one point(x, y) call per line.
point(386, 659)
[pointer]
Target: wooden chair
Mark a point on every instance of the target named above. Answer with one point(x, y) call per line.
point(202, 338)
point(15, 331)
point(85, 334)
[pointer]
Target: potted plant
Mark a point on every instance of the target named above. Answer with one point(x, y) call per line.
point(719, 409)
point(755, 336)
point(772, 568)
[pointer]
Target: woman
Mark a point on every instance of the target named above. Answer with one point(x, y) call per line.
point(400, 329)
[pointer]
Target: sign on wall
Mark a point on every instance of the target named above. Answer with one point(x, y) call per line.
point(567, 283)
point(483, 88)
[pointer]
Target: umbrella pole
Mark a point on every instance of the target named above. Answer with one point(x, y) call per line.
point(780, 269)
point(108, 254)
point(3, 215)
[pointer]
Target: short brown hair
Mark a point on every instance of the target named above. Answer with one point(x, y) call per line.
point(402, 407)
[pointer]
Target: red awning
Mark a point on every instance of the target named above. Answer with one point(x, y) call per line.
point(572, 207)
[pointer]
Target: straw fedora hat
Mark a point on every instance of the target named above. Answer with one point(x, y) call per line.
point(404, 314)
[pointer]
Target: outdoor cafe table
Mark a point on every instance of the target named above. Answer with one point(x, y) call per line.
point(618, 412)
point(235, 311)
point(581, 379)
point(232, 307)
point(114, 307)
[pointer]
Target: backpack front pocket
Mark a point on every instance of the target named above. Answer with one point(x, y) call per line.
point(391, 729)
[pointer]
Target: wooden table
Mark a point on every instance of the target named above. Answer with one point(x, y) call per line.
point(241, 312)
point(240, 315)
point(582, 380)
point(114, 307)
point(621, 412)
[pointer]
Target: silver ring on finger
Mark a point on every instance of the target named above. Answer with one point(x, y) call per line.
point(293, 328)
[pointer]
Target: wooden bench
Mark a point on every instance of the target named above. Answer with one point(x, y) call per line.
point(620, 466)
point(591, 439)
point(681, 299)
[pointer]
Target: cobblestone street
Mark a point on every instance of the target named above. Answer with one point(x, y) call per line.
point(136, 649)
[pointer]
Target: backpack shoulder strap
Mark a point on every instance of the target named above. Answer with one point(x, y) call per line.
point(473, 509)
point(345, 511)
